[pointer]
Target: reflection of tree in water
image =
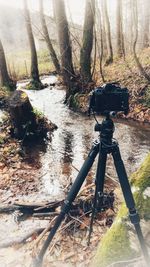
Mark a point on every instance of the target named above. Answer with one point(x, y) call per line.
point(68, 154)
point(33, 151)
point(87, 142)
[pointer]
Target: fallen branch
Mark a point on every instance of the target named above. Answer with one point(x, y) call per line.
point(21, 240)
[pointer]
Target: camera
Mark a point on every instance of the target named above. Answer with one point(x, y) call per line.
point(109, 98)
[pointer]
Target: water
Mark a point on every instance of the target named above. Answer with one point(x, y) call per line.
point(73, 139)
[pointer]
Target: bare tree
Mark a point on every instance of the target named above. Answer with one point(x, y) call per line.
point(34, 60)
point(109, 59)
point(86, 50)
point(64, 44)
point(120, 38)
point(139, 65)
point(47, 39)
point(146, 38)
point(100, 44)
point(5, 79)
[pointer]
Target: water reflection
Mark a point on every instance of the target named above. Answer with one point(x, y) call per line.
point(68, 154)
point(73, 139)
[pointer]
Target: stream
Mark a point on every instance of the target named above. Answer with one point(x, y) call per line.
point(59, 160)
point(72, 140)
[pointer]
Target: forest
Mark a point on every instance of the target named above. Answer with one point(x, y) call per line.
point(55, 55)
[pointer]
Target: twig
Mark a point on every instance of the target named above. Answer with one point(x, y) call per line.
point(44, 232)
point(78, 220)
point(53, 204)
point(45, 214)
point(114, 180)
point(75, 168)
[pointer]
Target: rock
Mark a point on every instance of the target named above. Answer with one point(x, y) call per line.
point(120, 242)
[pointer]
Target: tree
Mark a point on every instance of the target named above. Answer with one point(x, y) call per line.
point(87, 45)
point(108, 33)
point(64, 44)
point(34, 60)
point(135, 21)
point(146, 38)
point(120, 39)
point(5, 79)
point(47, 39)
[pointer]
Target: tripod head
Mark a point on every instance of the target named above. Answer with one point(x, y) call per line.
point(106, 129)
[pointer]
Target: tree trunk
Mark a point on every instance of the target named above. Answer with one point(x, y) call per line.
point(34, 61)
point(120, 39)
point(22, 115)
point(120, 247)
point(5, 80)
point(64, 44)
point(109, 59)
point(135, 21)
point(47, 39)
point(86, 50)
point(146, 38)
point(99, 30)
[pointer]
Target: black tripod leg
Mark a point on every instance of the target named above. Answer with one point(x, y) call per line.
point(99, 182)
point(128, 196)
point(67, 203)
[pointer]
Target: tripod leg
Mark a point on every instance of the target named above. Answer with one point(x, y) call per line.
point(100, 176)
point(67, 203)
point(128, 196)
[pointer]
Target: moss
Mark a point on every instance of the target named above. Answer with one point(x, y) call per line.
point(34, 85)
point(73, 101)
point(141, 181)
point(79, 102)
point(24, 95)
point(115, 245)
point(38, 113)
point(117, 239)
point(2, 140)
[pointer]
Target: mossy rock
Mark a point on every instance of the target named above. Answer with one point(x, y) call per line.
point(119, 243)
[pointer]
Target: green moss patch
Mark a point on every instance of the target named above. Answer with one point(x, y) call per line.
point(115, 246)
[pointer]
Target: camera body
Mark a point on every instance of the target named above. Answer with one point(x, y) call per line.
point(108, 98)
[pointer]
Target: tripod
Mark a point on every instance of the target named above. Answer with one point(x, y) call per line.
point(106, 145)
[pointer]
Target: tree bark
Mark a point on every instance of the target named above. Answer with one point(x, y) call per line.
point(5, 80)
point(139, 65)
point(64, 44)
point(34, 60)
point(120, 38)
point(86, 50)
point(146, 38)
point(47, 39)
point(109, 59)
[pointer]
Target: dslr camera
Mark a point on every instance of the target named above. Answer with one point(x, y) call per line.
point(109, 98)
